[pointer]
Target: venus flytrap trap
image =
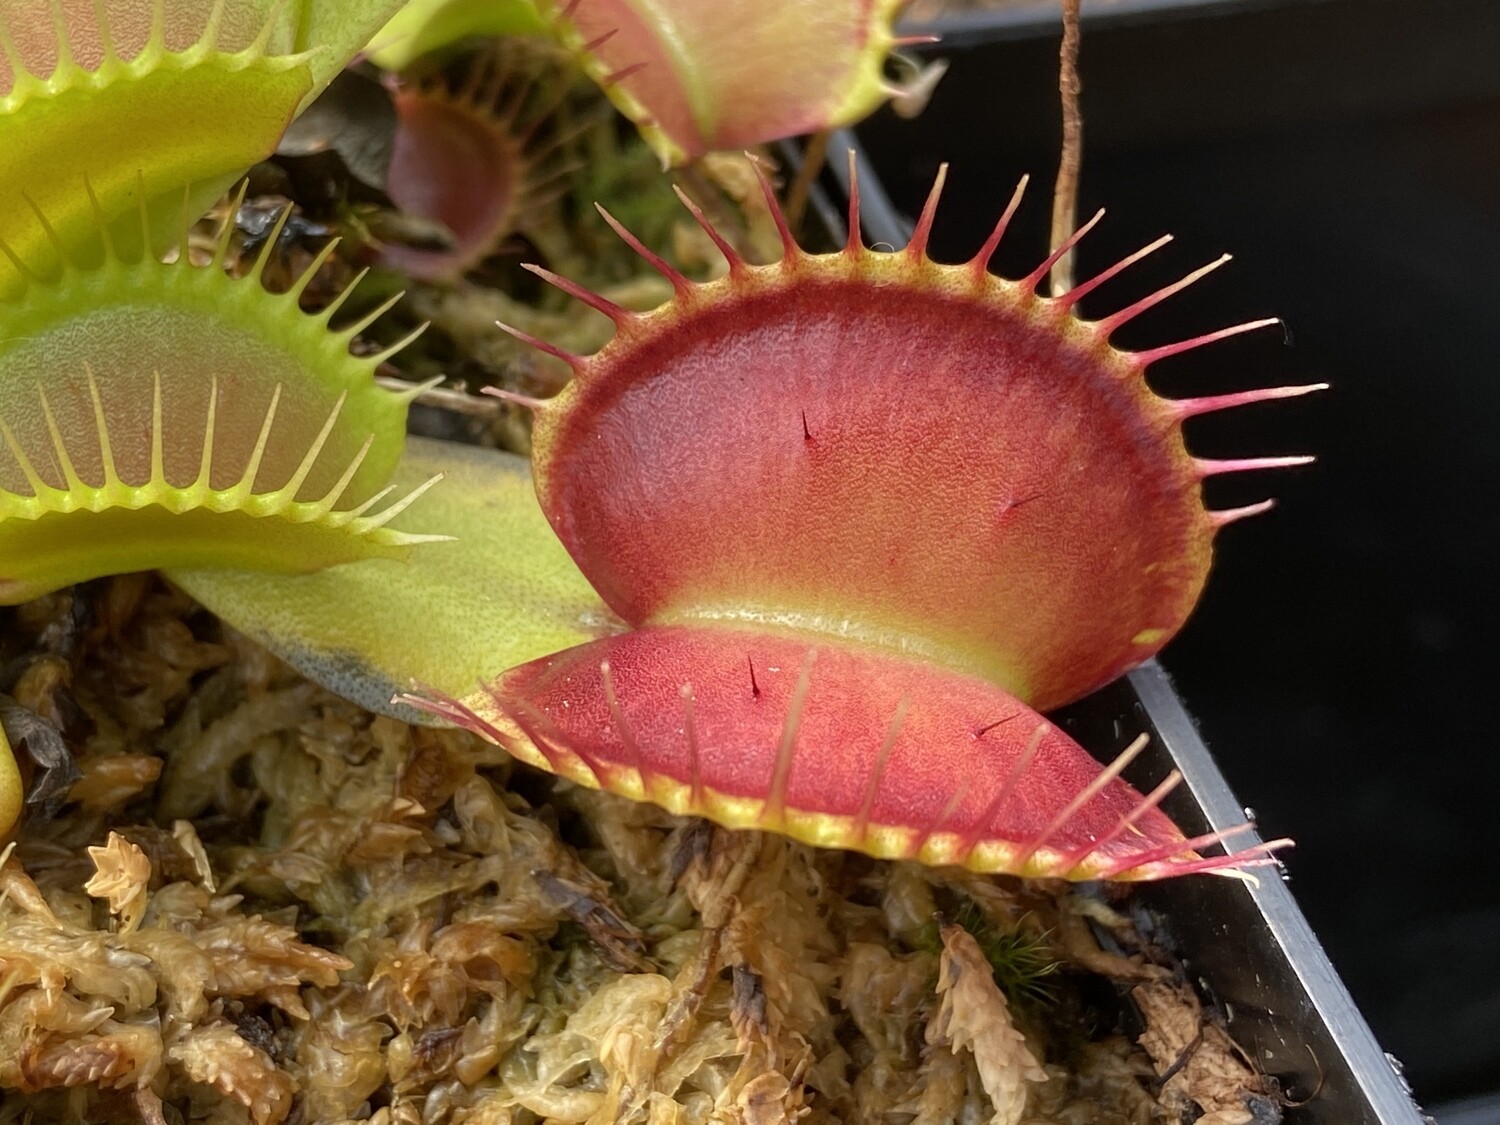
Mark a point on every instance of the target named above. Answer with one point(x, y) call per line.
point(105, 101)
point(865, 512)
point(472, 156)
point(697, 76)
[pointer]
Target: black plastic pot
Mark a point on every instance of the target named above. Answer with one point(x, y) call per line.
point(1342, 664)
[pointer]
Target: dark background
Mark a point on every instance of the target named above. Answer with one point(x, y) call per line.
point(1342, 664)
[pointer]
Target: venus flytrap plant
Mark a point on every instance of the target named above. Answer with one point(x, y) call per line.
point(864, 513)
point(852, 519)
point(167, 414)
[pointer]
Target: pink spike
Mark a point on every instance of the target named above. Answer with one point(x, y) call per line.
point(1208, 468)
point(594, 44)
point(680, 283)
point(1029, 282)
point(1145, 805)
point(789, 247)
point(1258, 856)
point(621, 724)
point(1146, 358)
point(1176, 848)
point(535, 405)
point(587, 296)
point(1192, 407)
point(532, 730)
point(690, 730)
point(567, 13)
point(855, 242)
point(574, 361)
point(1130, 312)
point(861, 828)
point(1083, 289)
point(776, 797)
point(615, 77)
point(915, 40)
point(1018, 769)
point(965, 783)
point(916, 247)
point(731, 255)
point(1233, 515)
point(423, 698)
point(1087, 794)
point(981, 261)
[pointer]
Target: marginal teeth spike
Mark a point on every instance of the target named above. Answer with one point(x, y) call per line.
point(680, 283)
point(1233, 515)
point(226, 232)
point(690, 731)
point(535, 405)
point(64, 463)
point(210, 37)
point(576, 362)
point(252, 469)
point(855, 241)
point(1130, 312)
point(158, 455)
point(359, 512)
point(294, 485)
point(861, 827)
point(333, 306)
point(1078, 292)
point(1018, 770)
point(776, 796)
point(621, 724)
point(386, 354)
point(916, 246)
point(20, 267)
point(615, 77)
point(268, 248)
point(1084, 796)
point(731, 255)
point(19, 75)
point(790, 250)
point(100, 221)
point(258, 47)
point(64, 45)
point(517, 712)
point(336, 493)
point(47, 228)
point(33, 478)
point(157, 37)
point(206, 463)
point(106, 34)
point(294, 294)
point(1192, 407)
point(1182, 847)
point(1146, 358)
point(1210, 468)
point(1141, 808)
point(1031, 280)
point(981, 261)
point(601, 304)
point(349, 332)
point(106, 452)
point(594, 44)
point(401, 505)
